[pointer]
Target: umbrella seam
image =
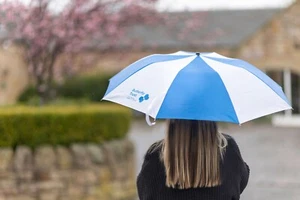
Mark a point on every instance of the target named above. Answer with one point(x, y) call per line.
point(141, 69)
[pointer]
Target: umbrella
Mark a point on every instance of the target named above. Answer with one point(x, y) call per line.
point(196, 86)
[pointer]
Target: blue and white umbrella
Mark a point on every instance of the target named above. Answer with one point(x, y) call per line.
point(197, 86)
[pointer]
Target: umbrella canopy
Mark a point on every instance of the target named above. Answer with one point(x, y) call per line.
point(196, 86)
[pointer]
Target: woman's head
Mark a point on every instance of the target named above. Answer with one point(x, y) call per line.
point(191, 154)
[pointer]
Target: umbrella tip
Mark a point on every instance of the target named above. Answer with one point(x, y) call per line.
point(197, 53)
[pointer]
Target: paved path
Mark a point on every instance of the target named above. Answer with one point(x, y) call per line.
point(273, 155)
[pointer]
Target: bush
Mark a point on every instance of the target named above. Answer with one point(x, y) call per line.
point(92, 87)
point(87, 87)
point(29, 93)
point(62, 125)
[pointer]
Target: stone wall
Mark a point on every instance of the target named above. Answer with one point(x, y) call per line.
point(83, 172)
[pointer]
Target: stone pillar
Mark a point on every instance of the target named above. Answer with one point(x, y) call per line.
point(288, 88)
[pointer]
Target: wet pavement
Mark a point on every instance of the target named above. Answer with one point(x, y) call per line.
point(272, 153)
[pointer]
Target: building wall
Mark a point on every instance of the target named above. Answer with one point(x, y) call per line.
point(13, 74)
point(277, 45)
point(117, 60)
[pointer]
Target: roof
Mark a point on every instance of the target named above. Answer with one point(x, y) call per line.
point(220, 28)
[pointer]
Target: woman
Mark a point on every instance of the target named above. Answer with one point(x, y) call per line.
point(194, 161)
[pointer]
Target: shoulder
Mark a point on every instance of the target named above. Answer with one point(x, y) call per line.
point(232, 145)
point(228, 137)
point(230, 140)
point(152, 171)
point(154, 149)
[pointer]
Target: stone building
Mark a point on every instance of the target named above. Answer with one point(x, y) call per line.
point(267, 38)
point(13, 73)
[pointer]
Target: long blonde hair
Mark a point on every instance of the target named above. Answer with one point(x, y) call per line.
point(191, 153)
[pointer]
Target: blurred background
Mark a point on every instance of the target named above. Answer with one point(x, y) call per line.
point(58, 140)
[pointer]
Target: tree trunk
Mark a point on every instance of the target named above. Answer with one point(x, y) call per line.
point(40, 87)
point(44, 75)
point(51, 92)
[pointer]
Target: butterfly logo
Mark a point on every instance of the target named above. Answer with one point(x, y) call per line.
point(144, 98)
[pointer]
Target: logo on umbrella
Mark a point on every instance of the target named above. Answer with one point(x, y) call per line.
point(144, 98)
point(138, 95)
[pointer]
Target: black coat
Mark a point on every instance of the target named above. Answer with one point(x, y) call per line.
point(234, 174)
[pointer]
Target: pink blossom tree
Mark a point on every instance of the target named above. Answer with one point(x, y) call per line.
point(46, 35)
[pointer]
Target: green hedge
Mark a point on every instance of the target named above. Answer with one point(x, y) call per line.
point(91, 87)
point(88, 87)
point(29, 93)
point(62, 125)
